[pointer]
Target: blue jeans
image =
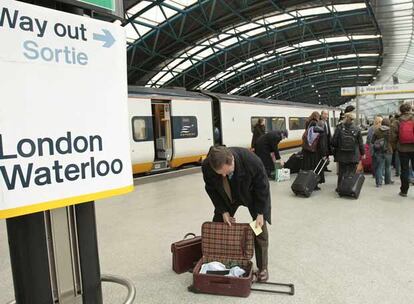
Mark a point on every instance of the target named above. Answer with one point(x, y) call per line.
point(383, 167)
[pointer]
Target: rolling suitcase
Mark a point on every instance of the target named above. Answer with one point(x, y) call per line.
point(306, 181)
point(186, 253)
point(367, 162)
point(230, 245)
point(351, 185)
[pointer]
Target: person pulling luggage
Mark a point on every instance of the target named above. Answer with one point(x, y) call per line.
point(236, 177)
point(315, 146)
point(268, 144)
point(349, 146)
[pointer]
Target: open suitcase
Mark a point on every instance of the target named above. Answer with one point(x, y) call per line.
point(225, 244)
point(186, 253)
point(306, 181)
point(351, 185)
point(228, 245)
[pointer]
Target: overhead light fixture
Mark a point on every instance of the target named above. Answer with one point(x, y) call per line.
point(313, 86)
point(316, 91)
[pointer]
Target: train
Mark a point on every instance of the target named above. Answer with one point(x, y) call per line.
point(171, 128)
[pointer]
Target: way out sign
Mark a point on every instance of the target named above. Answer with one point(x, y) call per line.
point(63, 115)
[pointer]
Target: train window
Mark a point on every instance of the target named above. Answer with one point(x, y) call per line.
point(297, 123)
point(254, 120)
point(142, 128)
point(278, 123)
point(332, 122)
point(184, 126)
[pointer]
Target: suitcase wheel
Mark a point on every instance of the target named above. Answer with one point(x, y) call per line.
point(192, 289)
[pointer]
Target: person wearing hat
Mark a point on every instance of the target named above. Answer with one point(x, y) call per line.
point(268, 144)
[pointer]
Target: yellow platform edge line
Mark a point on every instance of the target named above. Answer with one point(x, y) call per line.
point(63, 202)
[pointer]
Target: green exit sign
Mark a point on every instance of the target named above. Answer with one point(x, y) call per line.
point(106, 7)
point(105, 4)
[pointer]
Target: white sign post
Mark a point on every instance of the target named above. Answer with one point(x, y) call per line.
point(63, 115)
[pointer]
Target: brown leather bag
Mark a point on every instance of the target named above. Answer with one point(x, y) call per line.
point(186, 253)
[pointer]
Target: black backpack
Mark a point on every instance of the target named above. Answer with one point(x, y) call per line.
point(347, 139)
point(380, 145)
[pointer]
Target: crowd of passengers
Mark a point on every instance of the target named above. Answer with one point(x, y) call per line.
point(389, 143)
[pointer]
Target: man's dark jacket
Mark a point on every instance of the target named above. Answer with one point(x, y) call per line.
point(268, 143)
point(249, 185)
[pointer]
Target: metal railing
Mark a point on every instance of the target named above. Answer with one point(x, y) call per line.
point(117, 280)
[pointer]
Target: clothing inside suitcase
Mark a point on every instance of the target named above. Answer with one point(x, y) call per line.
point(228, 245)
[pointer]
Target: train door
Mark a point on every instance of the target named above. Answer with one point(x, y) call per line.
point(217, 130)
point(161, 116)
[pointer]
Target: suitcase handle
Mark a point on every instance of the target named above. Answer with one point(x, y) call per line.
point(323, 161)
point(188, 234)
point(291, 292)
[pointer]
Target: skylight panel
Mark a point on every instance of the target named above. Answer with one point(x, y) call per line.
point(255, 32)
point(154, 15)
point(313, 11)
point(246, 27)
point(234, 90)
point(204, 54)
point(138, 7)
point(228, 42)
point(131, 33)
point(184, 3)
point(278, 18)
point(280, 24)
point(184, 65)
point(349, 7)
point(195, 49)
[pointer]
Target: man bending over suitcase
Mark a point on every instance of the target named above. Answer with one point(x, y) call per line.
point(236, 177)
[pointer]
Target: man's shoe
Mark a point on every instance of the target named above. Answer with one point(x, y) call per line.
point(317, 188)
point(403, 194)
point(262, 275)
point(327, 170)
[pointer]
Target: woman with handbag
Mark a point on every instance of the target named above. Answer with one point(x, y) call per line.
point(315, 146)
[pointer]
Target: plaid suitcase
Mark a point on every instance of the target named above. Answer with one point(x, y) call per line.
point(186, 253)
point(225, 244)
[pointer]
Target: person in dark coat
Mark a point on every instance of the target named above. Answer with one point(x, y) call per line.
point(258, 130)
point(405, 149)
point(267, 144)
point(324, 120)
point(347, 159)
point(313, 154)
point(236, 177)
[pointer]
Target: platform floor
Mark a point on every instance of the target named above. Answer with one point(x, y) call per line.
point(335, 251)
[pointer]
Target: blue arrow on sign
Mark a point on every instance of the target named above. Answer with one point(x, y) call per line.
point(106, 37)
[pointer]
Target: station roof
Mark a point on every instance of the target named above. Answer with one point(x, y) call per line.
point(295, 50)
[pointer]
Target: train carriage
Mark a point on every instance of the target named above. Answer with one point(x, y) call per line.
point(175, 127)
